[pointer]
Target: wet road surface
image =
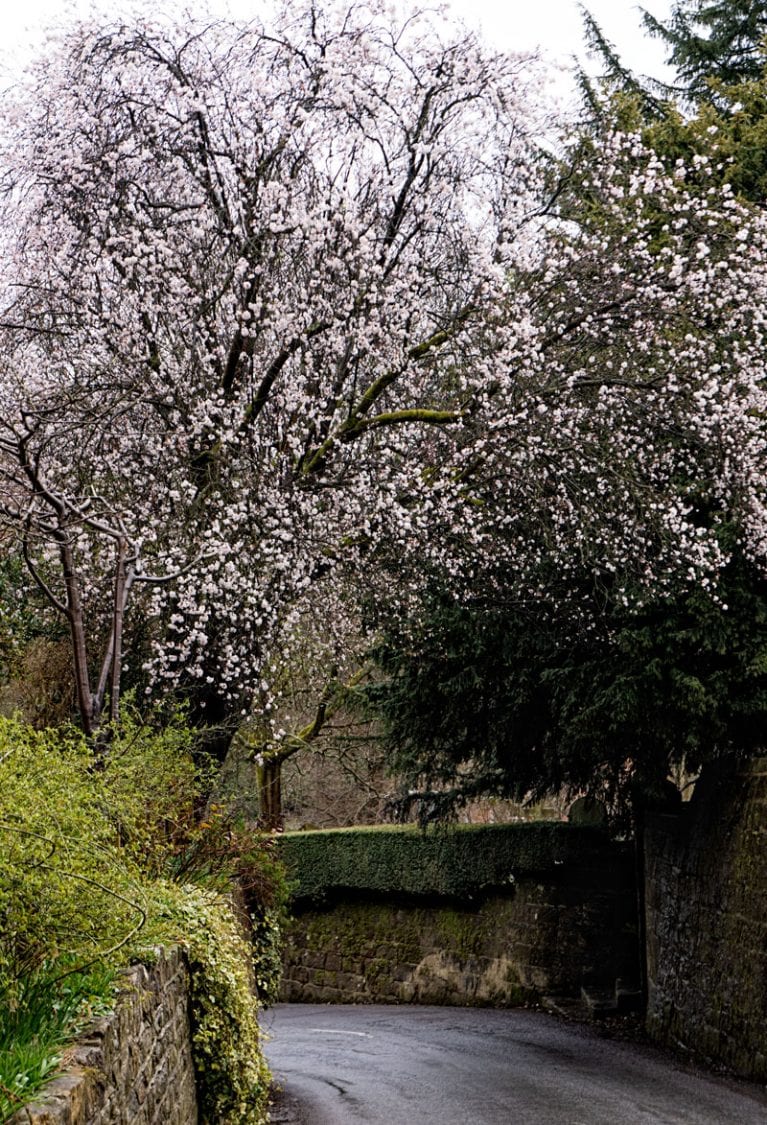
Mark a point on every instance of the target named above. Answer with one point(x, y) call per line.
point(340, 1065)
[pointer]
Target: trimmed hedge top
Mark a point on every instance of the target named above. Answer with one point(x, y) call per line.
point(458, 862)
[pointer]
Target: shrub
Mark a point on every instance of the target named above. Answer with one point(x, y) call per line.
point(459, 862)
point(69, 892)
point(154, 787)
point(89, 858)
point(233, 1080)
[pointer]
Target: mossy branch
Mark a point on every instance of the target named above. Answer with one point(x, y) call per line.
point(398, 417)
point(331, 701)
point(357, 422)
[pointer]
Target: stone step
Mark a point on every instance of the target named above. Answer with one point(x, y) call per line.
point(596, 1002)
point(599, 1002)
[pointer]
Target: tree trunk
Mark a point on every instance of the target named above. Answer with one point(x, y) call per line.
point(269, 775)
point(86, 704)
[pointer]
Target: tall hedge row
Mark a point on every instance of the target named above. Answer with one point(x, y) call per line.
point(460, 862)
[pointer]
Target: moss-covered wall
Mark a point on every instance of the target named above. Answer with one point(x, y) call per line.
point(499, 915)
point(706, 892)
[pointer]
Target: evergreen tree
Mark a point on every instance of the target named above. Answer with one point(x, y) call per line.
point(616, 78)
point(712, 44)
point(509, 702)
point(709, 45)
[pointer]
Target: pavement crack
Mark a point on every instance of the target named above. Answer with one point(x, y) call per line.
point(337, 1086)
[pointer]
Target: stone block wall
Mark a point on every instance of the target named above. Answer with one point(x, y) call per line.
point(553, 933)
point(706, 917)
point(133, 1067)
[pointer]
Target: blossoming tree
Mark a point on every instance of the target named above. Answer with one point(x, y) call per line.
point(244, 265)
point(612, 629)
point(290, 315)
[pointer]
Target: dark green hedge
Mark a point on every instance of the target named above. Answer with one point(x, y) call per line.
point(460, 862)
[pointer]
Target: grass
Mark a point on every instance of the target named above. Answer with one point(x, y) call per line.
point(38, 1017)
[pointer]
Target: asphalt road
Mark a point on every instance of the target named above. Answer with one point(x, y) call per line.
point(478, 1066)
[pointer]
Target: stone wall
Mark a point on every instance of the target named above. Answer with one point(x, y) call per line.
point(554, 932)
point(706, 910)
point(133, 1067)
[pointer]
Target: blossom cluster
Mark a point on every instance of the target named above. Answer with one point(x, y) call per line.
point(289, 315)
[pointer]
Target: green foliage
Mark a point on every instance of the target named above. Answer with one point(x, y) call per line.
point(502, 702)
point(713, 44)
point(461, 862)
point(154, 788)
point(233, 1080)
point(674, 685)
point(263, 883)
point(461, 696)
point(68, 889)
point(85, 882)
point(45, 1016)
point(678, 685)
point(175, 833)
point(615, 76)
point(720, 53)
point(731, 135)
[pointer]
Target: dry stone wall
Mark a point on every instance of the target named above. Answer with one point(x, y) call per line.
point(133, 1067)
point(706, 917)
point(562, 925)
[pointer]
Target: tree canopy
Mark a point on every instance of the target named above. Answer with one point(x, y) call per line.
point(712, 44)
point(508, 701)
point(244, 266)
point(294, 315)
point(641, 680)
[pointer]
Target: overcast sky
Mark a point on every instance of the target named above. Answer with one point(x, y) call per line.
point(554, 25)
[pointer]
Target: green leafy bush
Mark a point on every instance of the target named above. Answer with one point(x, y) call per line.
point(233, 1080)
point(90, 855)
point(69, 890)
point(460, 862)
point(154, 786)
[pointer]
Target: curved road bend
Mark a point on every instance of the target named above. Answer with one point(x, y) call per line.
point(344, 1065)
